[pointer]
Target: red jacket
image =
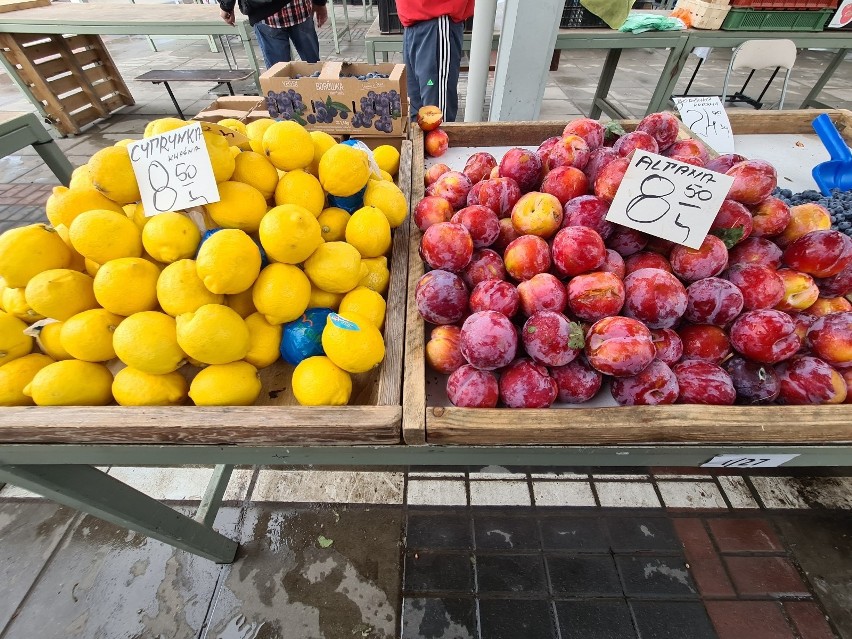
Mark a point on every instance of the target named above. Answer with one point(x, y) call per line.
point(411, 11)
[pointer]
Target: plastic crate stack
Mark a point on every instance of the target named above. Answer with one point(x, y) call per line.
point(779, 15)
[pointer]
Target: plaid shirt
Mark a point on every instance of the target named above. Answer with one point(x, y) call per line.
point(291, 14)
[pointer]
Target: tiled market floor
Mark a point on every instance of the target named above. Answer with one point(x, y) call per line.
point(436, 553)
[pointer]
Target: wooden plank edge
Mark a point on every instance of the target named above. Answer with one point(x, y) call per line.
point(298, 425)
point(414, 379)
point(682, 424)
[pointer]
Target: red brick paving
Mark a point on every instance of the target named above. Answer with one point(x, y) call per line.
point(809, 620)
point(766, 576)
point(744, 535)
point(751, 619)
point(704, 563)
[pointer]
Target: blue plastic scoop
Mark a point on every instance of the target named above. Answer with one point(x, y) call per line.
point(836, 173)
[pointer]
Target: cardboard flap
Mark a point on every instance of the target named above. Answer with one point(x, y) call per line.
point(331, 71)
point(397, 72)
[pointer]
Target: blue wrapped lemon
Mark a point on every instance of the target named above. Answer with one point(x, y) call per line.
point(302, 338)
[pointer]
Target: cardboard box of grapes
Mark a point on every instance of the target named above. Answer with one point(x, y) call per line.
point(363, 100)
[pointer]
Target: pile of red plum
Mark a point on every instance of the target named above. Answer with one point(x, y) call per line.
point(536, 298)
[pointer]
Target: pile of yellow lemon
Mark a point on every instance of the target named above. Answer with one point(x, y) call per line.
point(144, 311)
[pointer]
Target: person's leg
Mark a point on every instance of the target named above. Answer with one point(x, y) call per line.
point(305, 39)
point(420, 52)
point(274, 43)
point(456, 40)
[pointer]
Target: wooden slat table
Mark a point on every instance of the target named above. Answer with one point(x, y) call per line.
point(18, 130)
point(218, 76)
point(131, 19)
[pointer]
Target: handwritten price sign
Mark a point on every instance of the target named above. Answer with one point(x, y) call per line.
point(174, 170)
point(706, 117)
point(669, 199)
point(749, 460)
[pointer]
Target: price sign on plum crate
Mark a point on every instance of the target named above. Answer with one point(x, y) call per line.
point(669, 199)
point(749, 460)
point(705, 116)
point(173, 170)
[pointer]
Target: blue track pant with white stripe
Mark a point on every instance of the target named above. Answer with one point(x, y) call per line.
point(432, 53)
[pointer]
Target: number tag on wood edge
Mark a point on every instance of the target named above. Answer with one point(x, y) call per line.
point(669, 199)
point(749, 460)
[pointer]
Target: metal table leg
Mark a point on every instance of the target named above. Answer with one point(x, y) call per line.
point(87, 489)
point(245, 36)
point(811, 98)
point(212, 498)
point(669, 77)
point(600, 99)
point(371, 51)
point(174, 100)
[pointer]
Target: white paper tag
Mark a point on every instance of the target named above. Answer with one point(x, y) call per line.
point(706, 117)
point(669, 199)
point(173, 170)
point(748, 460)
point(843, 16)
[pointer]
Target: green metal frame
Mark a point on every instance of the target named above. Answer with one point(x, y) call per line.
point(679, 43)
point(78, 484)
point(25, 130)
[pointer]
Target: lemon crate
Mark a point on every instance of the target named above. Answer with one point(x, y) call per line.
point(430, 418)
point(373, 416)
point(705, 15)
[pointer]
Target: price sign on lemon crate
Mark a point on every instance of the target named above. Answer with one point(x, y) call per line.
point(669, 199)
point(173, 170)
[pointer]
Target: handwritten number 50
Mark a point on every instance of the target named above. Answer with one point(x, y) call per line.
point(184, 174)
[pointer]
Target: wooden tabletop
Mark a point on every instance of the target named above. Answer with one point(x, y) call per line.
point(126, 15)
point(194, 75)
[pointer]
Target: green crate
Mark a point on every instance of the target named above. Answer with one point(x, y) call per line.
point(739, 19)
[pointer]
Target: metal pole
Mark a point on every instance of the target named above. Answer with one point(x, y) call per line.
point(523, 58)
point(480, 59)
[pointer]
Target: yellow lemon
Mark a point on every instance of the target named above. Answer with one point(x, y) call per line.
point(322, 143)
point(300, 188)
point(65, 204)
point(3, 287)
point(289, 233)
point(132, 387)
point(163, 125)
point(234, 125)
point(77, 261)
point(255, 170)
point(378, 275)
point(353, 342)
point(333, 223)
point(169, 237)
point(81, 178)
point(71, 383)
point(234, 384)
point(288, 146)
point(16, 375)
point(214, 334)
point(264, 341)
point(228, 262)
point(235, 151)
point(136, 214)
point(112, 174)
point(366, 303)
point(335, 267)
point(127, 285)
point(242, 303)
point(102, 236)
point(13, 342)
point(369, 232)
point(91, 267)
point(126, 141)
point(387, 157)
point(383, 176)
point(344, 170)
point(60, 293)
point(15, 302)
point(49, 340)
point(88, 335)
point(241, 207)
point(281, 293)
point(148, 341)
point(387, 197)
point(255, 131)
point(180, 290)
point(220, 156)
point(323, 299)
point(29, 250)
point(317, 381)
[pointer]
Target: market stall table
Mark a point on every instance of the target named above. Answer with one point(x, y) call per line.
point(131, 19)
point(18, 130)
point(54, 451)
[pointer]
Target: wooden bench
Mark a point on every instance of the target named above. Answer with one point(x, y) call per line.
point(219, 76)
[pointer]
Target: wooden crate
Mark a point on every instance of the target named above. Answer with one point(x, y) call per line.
point(73, 76)
point(622, 425)
point(373, 416)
